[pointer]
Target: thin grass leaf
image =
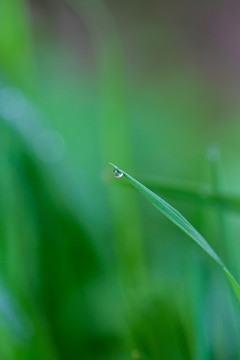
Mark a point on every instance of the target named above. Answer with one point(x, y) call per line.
point(196, 193)
point(173, 215)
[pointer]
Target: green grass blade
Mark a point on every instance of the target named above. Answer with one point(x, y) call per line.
point(196, 193)
point(173, 215)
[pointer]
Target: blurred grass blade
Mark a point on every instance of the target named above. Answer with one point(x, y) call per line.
point(16, 51)
point(11, 316)
point(173, 215)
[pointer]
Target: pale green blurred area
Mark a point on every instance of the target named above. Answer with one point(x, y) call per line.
point(88, 269)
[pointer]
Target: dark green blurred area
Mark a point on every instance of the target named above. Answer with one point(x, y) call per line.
point(88, 269)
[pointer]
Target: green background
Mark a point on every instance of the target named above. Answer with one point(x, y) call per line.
point(88, 269)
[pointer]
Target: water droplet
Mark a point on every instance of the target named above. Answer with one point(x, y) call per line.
point(117, 173)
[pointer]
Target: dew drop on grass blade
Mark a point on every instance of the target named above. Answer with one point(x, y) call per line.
point(175, 216)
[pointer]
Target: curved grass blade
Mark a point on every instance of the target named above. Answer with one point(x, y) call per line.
point(173, 215)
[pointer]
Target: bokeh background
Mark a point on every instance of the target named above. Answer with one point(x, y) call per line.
point(88, 269)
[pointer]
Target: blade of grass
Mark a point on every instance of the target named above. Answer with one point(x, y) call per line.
point(196, 193)
point(16, 53)
point(173, 215)
point(113, 105)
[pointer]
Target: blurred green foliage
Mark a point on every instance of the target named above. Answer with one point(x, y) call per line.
point(88, 270)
